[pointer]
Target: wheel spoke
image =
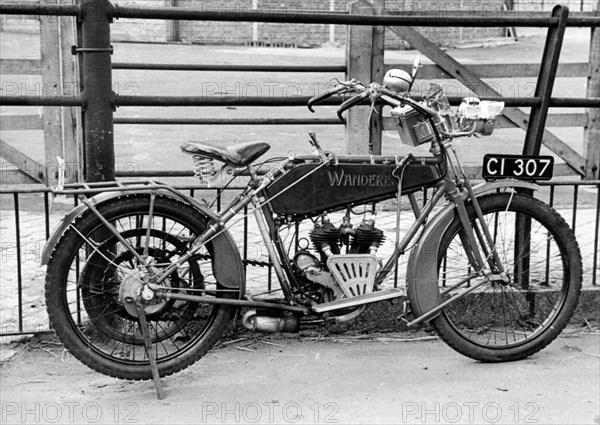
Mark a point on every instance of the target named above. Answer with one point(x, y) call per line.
point(502, 314)
point(101, 271)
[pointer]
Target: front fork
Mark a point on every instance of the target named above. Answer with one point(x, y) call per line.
point(475, 236)
point(476, 240)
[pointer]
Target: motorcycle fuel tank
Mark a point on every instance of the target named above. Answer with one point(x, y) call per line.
point(335, 187)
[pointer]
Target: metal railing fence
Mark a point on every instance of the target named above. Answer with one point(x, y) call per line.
point(25, 231)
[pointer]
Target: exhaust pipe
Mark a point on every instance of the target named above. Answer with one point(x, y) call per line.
point(286, 322)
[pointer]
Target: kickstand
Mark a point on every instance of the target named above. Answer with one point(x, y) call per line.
point(149, 351)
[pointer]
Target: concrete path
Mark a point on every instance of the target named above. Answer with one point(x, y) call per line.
point(341, 379)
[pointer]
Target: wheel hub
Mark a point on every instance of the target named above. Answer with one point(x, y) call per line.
point(132, 288)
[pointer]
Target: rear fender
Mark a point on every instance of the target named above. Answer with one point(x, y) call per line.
point(422, 269)
point(227, 262)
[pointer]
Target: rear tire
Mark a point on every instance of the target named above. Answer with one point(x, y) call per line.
point(510, 321)
point(84, 277)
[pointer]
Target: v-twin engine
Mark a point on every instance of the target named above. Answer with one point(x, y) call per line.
point(341, 264)
point(347, 263)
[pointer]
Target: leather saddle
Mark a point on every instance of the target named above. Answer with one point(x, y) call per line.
point(238, 155)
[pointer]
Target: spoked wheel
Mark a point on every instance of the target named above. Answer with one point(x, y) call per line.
point(510, 316)
point(91, 273)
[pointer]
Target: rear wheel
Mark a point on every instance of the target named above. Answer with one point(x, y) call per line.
point(511, 318)
point(91, 271)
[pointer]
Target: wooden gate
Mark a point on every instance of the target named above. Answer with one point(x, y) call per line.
point(369, 42)
point(53, 75)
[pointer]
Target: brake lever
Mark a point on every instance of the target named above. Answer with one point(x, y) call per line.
point(317, 147)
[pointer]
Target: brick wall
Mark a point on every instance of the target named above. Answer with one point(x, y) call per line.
point(147, 30)
point(20, 24)
point(547, 5)
point(446, 35)
point(300, 34)
point(293, 34)
point(210, 32)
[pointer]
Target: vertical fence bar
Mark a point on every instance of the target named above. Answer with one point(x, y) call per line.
point(575, 199)
point(46, 215)
point(19, 270)
point(245, 247)
point(597, 231)
point(98, 97)
point(547, 276)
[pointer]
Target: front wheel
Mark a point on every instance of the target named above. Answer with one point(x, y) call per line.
point(91, 271)
point(512, 316)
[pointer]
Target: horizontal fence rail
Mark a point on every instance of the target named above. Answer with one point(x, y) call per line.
point(402, 18)
point(509, 19)
point(229, 121)
point(229, 68)
point(19, 259)
point(119, 101)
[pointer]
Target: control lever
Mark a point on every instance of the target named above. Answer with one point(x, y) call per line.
point(317, 147)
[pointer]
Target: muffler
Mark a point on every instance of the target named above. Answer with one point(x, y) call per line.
point(270, 321)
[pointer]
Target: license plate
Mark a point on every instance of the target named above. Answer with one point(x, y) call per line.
point(517, 167)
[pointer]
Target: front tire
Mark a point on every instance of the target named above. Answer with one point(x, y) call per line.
point(90, 268)
point(511, 320)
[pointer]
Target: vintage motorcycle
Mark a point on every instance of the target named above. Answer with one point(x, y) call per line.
point(143, 279)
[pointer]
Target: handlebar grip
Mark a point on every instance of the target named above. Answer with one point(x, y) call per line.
point(323, 96)
point(350, 103)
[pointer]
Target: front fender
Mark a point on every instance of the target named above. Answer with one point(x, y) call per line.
point(422, 269)
point(227, 262)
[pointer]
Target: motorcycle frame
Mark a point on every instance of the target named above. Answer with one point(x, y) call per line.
point(456, 190)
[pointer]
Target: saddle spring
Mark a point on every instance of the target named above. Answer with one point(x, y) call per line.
point(205, 169)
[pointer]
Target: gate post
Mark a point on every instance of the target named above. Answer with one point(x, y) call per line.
point(377, 72)
point(591, 139)
point(98, 97)
point(58, 79)
point(359, 53)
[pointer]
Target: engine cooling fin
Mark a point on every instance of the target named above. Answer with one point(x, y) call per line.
point(326, 234)
point(364, 238)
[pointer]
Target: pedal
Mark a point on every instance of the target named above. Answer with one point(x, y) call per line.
point(405, 312)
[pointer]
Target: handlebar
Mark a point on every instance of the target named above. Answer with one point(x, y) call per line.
point(354, 100)
point(346, 86)
point(377, 92)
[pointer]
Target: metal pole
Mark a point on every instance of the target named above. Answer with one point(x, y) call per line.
point(98, 98)
point(545, 82)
